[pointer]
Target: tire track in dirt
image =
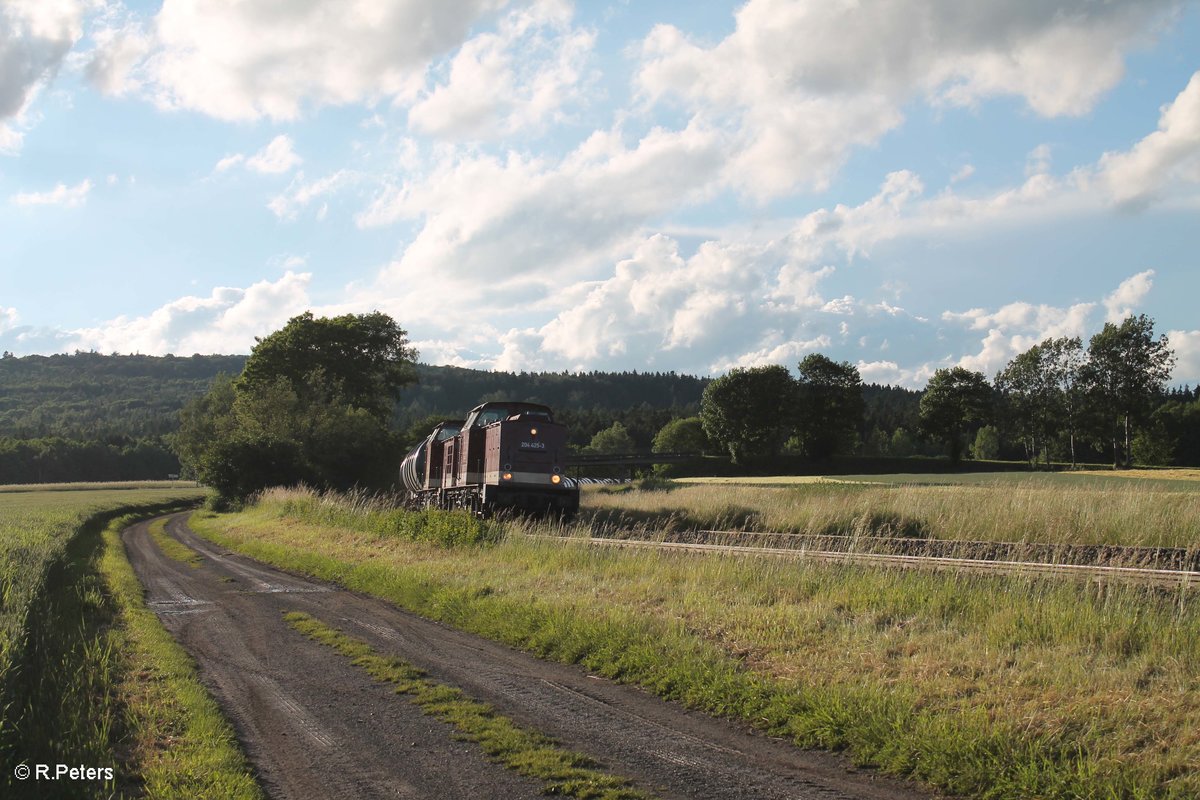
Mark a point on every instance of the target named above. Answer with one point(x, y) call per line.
point(288, 696)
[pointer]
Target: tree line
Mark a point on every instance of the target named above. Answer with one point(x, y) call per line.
point(88, 416)
point(92, 416)
point(53, 459)
point(1055, 401)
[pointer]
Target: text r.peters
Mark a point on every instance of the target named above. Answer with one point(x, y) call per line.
point(54, 772)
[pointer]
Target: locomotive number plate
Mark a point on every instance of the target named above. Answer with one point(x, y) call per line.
point(533, 445)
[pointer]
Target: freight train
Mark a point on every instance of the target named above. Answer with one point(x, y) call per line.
point(502, 456)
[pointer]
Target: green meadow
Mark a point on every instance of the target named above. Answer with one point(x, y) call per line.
point(87, 674)
point(981, 686)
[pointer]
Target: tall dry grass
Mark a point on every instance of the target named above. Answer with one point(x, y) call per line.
point(1131, 514)
point(985, 686)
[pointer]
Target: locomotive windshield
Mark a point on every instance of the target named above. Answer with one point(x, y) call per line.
point(487, 414)
point(447, 430)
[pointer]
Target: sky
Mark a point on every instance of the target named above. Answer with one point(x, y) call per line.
point(613, 185)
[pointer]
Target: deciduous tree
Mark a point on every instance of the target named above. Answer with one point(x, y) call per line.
point(1065, 360)
point(313, 405)
point(613, 439)
point(830, 405)
point(1032, 401)
point(682, 436)
point(1126, 370)
point(987, 444)
point(955, 400)
point(750, 412)
point(363, 359)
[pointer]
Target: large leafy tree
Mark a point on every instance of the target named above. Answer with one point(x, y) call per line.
point(955, 400)
point(613, 439)
point(1064, 360)
point(750, 412)
point(1043, 395)
point(830, 405)
point(684, 435)
point(1126, 371)
point(1032, 400)
point(1175, 427)
point(362, 359)
point(315, 407)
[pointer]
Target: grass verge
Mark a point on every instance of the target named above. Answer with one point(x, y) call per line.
point(85, 669)
point(983, 686)
point(377, 515)
point(531, 754)
point(170, 547)
point(58, 668)
point(175, 742)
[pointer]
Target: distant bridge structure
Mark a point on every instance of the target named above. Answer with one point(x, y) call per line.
point(633, 461)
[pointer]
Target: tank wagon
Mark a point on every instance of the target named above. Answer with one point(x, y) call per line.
point(502, 456)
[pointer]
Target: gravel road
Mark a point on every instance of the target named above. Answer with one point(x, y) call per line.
point(316, 727)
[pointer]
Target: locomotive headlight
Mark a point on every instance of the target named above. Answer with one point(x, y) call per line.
point(556, 479)
point(507, 476)
point(533, 431)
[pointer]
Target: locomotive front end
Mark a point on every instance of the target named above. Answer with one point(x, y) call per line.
point(525, 465)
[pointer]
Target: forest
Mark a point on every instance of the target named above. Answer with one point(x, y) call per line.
point(89, 416)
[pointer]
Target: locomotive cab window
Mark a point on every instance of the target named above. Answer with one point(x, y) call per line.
point(487, 415)
point(447, 432)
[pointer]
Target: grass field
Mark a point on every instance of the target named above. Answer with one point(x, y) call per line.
point(983, 686)
point(78, 663)
point(36, 526)
point(115, 486)
point(1056, 508)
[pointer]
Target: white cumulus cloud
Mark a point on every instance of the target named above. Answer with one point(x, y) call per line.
point(730, 303)
point(224, 322)
point(120, 44)
point(35, 38)
point(1126, 297)
point(803, 82)
point(1138, 176)
point(502, 230)
point(1015, 327)
point(301, 192)
point(517, 77)
point(1186, 345)
point(8, 318)
point(276, 157)
point(60, 195)
point(245, 61)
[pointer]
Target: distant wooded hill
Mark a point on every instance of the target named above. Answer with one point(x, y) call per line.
point(89, 396)
point(88, 416)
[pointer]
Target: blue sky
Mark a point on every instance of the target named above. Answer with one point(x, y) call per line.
point(622, 185)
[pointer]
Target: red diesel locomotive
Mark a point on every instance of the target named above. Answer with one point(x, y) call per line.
point(503, 456)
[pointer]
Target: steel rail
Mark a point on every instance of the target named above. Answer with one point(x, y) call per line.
point(1089, 554)
point(1167, 578)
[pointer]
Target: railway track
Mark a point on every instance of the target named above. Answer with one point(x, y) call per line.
point(1167, 558)
point(1173, 568)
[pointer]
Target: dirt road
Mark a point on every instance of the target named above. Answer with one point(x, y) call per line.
point(316, 727)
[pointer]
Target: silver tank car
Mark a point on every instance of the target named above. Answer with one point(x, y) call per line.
point(421, 470)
